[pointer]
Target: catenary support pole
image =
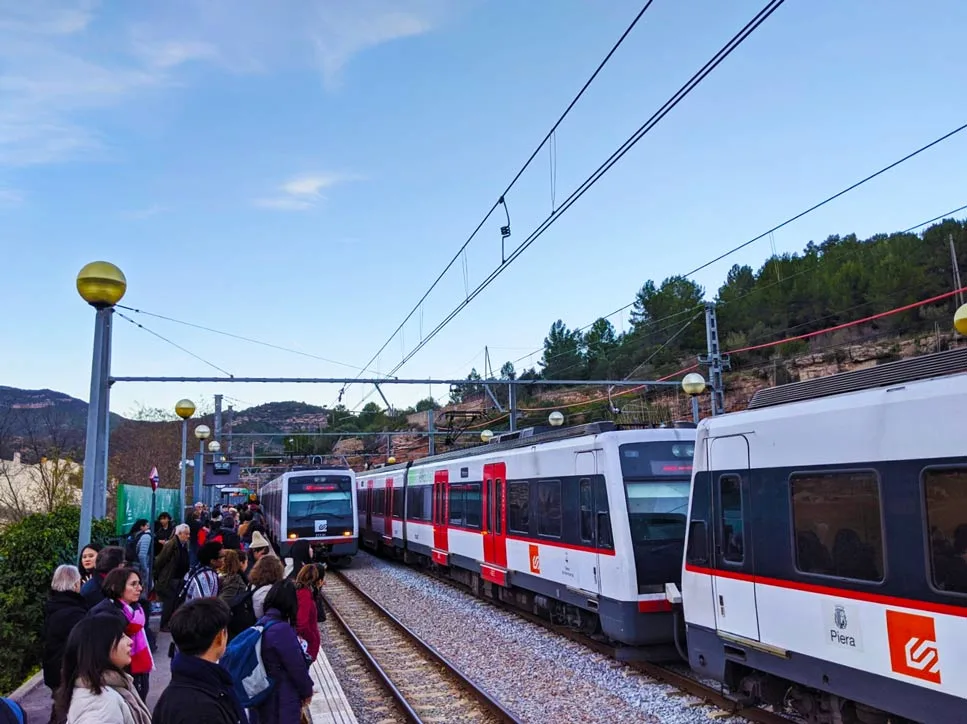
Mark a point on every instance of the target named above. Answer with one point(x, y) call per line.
point(430, 421)
point(89, 485)
point(182, 498)
point(104, 417)
point(512, 405)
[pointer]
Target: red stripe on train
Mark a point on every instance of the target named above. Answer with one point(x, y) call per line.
point(943, 608)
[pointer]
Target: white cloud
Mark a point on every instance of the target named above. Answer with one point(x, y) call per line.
point(172, 53)
point(10, 197)
point(301, 192)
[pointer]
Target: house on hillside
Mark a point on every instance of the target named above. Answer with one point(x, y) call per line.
point(40, 487)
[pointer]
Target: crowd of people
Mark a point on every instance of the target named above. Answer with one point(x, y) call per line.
point(216, 577)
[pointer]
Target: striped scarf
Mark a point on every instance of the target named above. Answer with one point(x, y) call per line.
point(141, 660)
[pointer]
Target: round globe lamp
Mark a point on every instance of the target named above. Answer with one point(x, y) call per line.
point(391, 460)
point(203, 432)
point(556, 419)
point(693, 384)
point(101, 284)
point(960, 320)
point(486, 436)
point(214, 446)
point(184, 409)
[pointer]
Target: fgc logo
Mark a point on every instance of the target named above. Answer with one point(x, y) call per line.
point(913, 645)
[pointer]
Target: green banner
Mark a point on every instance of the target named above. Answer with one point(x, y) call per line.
point(134, 501)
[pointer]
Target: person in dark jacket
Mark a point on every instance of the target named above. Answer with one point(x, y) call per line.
point(283, 659)
point(200, 689)
point(107, 560)
point(170, 567)
point(230, 539)
point(62, 611)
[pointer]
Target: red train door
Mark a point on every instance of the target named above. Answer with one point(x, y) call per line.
point(440, 512)
point(494, 496)
point(388, 511)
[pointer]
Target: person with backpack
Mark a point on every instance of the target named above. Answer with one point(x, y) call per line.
point(200, 689)
point(170, 568)
point(289, 686)
point(11, 712)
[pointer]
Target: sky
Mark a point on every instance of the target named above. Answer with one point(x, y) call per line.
point(300, 172)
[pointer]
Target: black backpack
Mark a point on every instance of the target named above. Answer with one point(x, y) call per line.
point(243, 613)
point(131, 548)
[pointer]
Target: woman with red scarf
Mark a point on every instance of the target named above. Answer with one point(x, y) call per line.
point(122, 591)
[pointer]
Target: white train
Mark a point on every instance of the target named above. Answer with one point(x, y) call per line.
point(826, 565)
point(584, 524)
point(314, 505)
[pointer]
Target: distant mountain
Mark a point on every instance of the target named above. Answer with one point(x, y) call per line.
point(288, 416)
point(32, 421)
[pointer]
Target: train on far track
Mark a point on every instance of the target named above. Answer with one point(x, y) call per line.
point(583, 525)
point(316, 505)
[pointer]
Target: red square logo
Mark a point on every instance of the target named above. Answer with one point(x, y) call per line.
point(535, 558)
point(913, 645)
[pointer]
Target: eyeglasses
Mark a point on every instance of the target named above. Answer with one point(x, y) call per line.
point(136, 584)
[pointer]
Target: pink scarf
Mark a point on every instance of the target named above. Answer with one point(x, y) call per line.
point(141, 660)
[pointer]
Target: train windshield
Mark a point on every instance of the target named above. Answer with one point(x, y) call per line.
point(319, 496)
point(657, 477)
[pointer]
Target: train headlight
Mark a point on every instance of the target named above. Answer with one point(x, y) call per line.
point(293, 536)
point(347, 533)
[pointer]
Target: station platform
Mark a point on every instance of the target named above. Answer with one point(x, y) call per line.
point(329, 704)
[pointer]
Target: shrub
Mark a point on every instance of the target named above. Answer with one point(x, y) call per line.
point(30, 550)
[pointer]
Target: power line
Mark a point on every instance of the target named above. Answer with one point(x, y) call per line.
point(666, 108)
point(516, 177)
point(173, 344)
point(243, 338)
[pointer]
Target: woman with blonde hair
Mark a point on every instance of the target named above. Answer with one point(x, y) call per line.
point(232, 581)
point(94, 688)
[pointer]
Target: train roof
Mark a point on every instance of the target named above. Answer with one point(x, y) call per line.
point(520, 439)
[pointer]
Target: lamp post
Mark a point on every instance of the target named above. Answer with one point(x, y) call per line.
point(202, 433)
point(102, 285)
point(694, 385)
point(184, 409)
point(556, 419)
point(213, 447)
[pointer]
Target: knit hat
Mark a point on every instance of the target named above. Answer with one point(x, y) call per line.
point(258, 541)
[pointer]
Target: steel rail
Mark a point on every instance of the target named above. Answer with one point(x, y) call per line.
point(474, 689)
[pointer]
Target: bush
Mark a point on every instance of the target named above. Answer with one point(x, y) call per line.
point(29, 552)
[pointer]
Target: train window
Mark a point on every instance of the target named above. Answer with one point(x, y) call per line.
point(587, 511)
point(837, 524)
point(498, 507)
point(697, 551)
point(398, 501)
point(472, 505)
point(605, 537)
point(518, 507)
point(456, 505)
point(730, 497)
point(549, 508)
point(945, 490)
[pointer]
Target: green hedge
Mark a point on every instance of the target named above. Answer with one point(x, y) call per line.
point(29, 552)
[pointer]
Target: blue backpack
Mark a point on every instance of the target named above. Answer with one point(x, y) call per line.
point(11, 711)
point(243, 661)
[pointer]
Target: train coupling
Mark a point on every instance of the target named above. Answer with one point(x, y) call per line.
point(672, 594)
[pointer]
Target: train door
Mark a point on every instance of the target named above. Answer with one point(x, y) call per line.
point(440, 545)
point(388, 512)
point(369, 505)
point(589, 577)
point(733, 584)
point(495, 516)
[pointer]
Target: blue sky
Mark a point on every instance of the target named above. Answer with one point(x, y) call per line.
point(299, 172)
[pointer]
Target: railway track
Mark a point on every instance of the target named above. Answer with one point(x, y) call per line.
point(426, 687)
point(725, 704)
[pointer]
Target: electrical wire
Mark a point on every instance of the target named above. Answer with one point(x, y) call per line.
point(173, 344)
point(242, 338)
point(670, 104)
point(517, 176)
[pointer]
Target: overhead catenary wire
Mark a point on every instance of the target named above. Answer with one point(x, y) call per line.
point(243, 338)
point(632, 140)
point(517, 176)
point(173, 344)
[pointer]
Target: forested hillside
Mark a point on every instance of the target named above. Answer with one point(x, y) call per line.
point(839, 280)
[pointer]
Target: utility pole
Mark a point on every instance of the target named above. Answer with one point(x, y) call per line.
point(218, 438)
point(714, 360)
point(430, 420)
point(512, 404)
point(956, 269)
point(231, 416)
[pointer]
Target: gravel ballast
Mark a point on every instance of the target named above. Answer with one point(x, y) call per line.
point(541, 676)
